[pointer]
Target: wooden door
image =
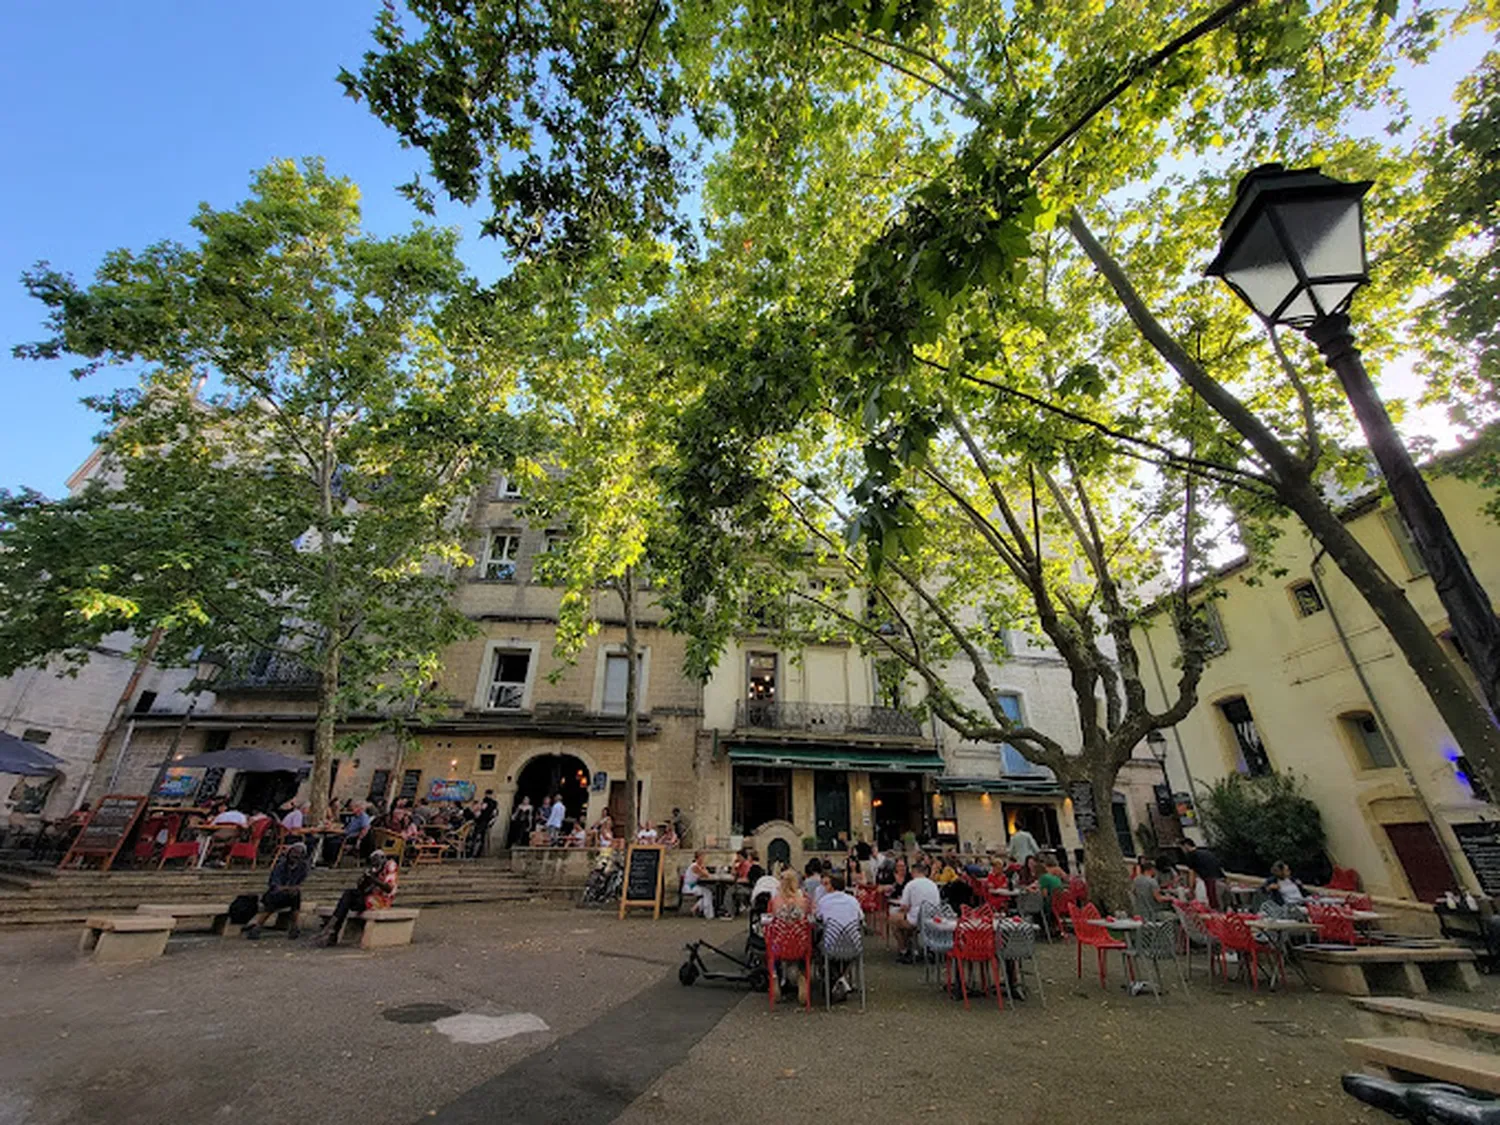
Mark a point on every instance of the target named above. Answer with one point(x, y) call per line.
point(1422, 859)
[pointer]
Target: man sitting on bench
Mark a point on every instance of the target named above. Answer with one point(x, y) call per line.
point(283, 893)
point(374, 891)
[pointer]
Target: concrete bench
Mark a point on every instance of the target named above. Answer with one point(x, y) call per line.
point(1389, 968)
point(113, 939)
point(214, 916)
point(1407, 1060)
point(377, 929)
point(1426, 1019)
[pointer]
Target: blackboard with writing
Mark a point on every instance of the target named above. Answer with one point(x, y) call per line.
point(1085, 815)
point(108, 824)
point(644, 865)
point(1481, 845)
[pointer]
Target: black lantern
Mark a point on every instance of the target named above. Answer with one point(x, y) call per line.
point(209, 665)
point(1293, 246)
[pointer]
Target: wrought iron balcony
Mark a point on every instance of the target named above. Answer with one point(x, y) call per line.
point(277, 674)
point(825, 718)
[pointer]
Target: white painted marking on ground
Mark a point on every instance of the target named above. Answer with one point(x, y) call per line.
point(471, 1027)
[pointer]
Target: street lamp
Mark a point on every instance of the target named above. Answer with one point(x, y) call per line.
point(1293, 248)
point(205, 672)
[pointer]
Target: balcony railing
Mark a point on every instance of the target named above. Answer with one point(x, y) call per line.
point(276, 674)
point(826, 718)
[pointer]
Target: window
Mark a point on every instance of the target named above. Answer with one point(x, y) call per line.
point(411, 781)
point(1121, 817)
point(760, 688)
point(1252, 757)
point(486, 763)
point(500, 559)
point(508, 679)
point(616, 665)
point(1306, 598)
point(554, 541)
point(380, 781)
point(36, 736)
point(145, 701)
point(215, 740)
point(1399, 532)
point(1218, 640)
point(1009, 703)
point(1369, 743)
point(507, 489)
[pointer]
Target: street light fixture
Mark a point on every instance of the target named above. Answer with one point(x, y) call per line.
point(1293, 248)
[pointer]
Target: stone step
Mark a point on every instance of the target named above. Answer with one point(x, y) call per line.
point(75, 915)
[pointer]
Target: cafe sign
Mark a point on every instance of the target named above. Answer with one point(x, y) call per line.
point(450, 789)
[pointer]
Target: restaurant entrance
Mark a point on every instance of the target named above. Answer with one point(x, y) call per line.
point(555, 773)
point(897, 804)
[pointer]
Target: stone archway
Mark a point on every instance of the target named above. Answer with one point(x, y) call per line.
point(541, 765)
point(780, 837)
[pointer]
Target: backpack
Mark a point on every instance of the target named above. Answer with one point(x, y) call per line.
point(243, 908)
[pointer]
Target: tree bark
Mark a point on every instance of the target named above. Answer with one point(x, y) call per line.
point(1466, 717)
point(1103, 861)
point(632, 687)
point(324, 731)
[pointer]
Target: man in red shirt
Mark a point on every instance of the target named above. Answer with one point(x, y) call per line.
point(375, 890)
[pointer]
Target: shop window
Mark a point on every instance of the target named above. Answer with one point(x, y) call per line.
point(1252, 758)
point(1306, 598)
point(500, 556)
point(1370, 747)
point(508, 678)
point(1405, 544)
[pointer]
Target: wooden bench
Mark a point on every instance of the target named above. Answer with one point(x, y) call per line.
point(1407, 1059)
point(377, 929)
point(214, 916)
point(116, 938)
point(1352, 971)
point(1426, 1019)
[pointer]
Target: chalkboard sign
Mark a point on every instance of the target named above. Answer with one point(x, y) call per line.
point(1085, 815)
point(102, 834)
point(644, 864)
point(1481, 845)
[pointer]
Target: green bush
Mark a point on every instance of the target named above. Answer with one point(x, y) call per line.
point(1254, 821)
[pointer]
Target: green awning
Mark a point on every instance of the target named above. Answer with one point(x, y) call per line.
point(1001, 786)
point(838, 758)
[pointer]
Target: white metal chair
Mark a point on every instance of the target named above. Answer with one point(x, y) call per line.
point(845, 945)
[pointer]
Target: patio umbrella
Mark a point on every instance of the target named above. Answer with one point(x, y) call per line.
point(18, 756)
point(251, 759)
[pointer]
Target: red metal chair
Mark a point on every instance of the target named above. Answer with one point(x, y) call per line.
point(1344, 879)
point(974, 944)
point(872, 903)
point(176, 847)
point(1359, 902)
point(788, 939)
point(1335, 924)
point(249, 848)
point(1101, 939)
point(145, 840)
point(1234, 935)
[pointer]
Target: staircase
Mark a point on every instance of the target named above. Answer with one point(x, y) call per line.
point(35, 894)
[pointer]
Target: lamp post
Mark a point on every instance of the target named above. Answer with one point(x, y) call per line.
point(1293, 248)
point(207, 670)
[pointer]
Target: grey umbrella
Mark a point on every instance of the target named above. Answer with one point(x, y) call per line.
point(17, 756)
point(251, 759)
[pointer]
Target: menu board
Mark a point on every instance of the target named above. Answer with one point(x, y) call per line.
point(1481, 844)
point(102, 834)
point(1085, 815)
point(644, 865)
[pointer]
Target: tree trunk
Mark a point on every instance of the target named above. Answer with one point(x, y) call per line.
point(1103, 862)
point(632, 687)
point(323, 731)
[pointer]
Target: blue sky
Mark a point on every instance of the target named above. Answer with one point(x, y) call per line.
point(121, 117)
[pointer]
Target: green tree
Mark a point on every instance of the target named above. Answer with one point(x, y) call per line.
point(314, 408)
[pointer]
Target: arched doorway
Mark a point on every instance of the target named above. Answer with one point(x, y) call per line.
point(549, 774)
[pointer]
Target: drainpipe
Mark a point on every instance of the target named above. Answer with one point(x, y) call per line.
point(1456, 868)
point(1176, 737)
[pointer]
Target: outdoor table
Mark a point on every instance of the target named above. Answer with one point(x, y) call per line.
point(722, 885)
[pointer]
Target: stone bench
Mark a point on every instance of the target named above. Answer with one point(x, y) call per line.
point(1353, 971)
point(117, 938)
point(377, 929)
point(1426, 1019)
point(211, 914)
point(1408, 1059)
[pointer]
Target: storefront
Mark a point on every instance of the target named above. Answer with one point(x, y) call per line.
point(833, 793)
point(983, 813)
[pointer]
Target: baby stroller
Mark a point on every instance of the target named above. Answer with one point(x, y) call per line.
point(749, 969)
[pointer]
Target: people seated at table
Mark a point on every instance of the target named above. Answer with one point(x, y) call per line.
point(1207, 869)
point(283, 892)
point(996, 882)
point(375, 890)
point(1283, 888)
point(792, 904)
point(696, 886)
point(943, 872)
point(1031, 871)
point(293, 815)
point(357, 831)
point(918, 891)
point(668, 837)
point(762, 883)
point(1147, 900)
point(646, 833)
point(579, 837)
point(604, 830)
point(900, 875)
point(837, 909)
point(959, 894)
point(812, 880)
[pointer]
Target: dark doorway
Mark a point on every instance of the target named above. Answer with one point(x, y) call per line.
point(896, 801)
point(830, 806)
point(1039, 820)
point(1253, 758)
point(1422, 859)
point(617, 804)
point(265, 792)
point(761, 793)
point(551, 774)
point(1122, 825)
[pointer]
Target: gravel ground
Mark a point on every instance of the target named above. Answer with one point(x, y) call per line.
point(232, 1029)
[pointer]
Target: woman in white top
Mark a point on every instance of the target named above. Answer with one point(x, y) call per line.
point(693, 886)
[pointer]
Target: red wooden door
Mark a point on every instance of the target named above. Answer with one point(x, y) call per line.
point(1422, 859)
